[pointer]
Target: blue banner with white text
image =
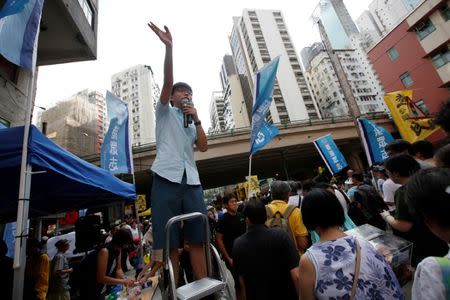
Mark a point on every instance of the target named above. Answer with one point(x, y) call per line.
point(19, 31)
point(375, 139)
point(263, 132)
point(116, 152)
point(330, 154)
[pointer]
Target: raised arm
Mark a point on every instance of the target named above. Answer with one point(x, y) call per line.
point(166, 38)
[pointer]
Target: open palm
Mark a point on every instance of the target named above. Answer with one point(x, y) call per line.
point(165, 37)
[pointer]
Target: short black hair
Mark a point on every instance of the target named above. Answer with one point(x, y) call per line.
point(308, 184)
point(227, 198)
point(321, 208)
point(443, 156)
point(427, 194)
point(294, 185)
point(280, 190)
point(443, 116)
point(398, 146)
point(403, 164)
point(122, 237)
point(358, 176)
point(424, 147)
point(322, 177)
point(180, 85)
point(322, 185)
point(255, 211)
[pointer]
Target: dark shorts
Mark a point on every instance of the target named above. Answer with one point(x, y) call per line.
point(170, 199)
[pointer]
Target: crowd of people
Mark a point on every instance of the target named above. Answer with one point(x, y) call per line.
point(408, 196)
point(288, 244)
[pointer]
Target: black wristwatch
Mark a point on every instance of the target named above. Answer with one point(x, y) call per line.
point(198, 123)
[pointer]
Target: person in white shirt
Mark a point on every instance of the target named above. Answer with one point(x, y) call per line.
point(294, 196)
point(432, 277)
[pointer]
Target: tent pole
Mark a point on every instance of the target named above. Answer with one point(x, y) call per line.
point(249, 175)
point(20, 242)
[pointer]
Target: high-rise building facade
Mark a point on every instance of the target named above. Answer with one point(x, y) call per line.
point(235, 113)
point(257, 37)
point(389, 13)
point(327, 89)
point(77, 123)
point(337, 23)
point(216, 112)
point(137, 87)
point(415, 55)
point(369, 29)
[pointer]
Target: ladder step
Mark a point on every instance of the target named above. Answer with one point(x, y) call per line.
point(199, 289)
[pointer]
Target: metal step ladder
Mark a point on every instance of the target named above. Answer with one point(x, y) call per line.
point(199, 288)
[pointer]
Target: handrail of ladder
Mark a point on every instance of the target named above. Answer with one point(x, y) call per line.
point(169, 225)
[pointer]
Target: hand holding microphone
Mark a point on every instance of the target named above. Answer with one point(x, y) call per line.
point(187, 118)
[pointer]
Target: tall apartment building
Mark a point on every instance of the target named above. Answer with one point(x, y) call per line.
point(257, 37)
point(337, 22)
point(77, 123)
point(216, 112)
point(348, 44)
point(327, 89)
point(415, 55)
point(369, 29)
point(382, 17)
point(137, 87)
point(235, 113)
point(389, 13)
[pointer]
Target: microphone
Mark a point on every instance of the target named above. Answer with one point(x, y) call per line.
point(187, 119)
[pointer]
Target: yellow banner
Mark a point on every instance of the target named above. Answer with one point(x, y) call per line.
point(411, 121)
point(254, 185)
point(141, 204)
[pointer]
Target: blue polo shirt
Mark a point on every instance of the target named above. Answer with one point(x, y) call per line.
point(174, 146)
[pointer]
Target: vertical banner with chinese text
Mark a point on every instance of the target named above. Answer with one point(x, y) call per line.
point(411, 121)
point(375, 139)
point(330, 154)
point(263, 132)
point(116, 152)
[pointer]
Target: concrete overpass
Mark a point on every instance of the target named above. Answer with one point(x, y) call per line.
point(292, 152)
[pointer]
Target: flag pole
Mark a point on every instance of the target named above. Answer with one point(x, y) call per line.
point(22, 229)
point(249, 175)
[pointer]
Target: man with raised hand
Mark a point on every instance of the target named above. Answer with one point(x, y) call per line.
point(176, 187)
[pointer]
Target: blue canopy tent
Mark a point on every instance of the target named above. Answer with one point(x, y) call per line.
point(61, 181)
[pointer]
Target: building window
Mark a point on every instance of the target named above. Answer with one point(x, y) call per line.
point(421, 104)
point(8, 70)
point(441, 58)
point(424, 29)
point(445, 12)
point(406, 79)
point(87, 10)
point(393, 54)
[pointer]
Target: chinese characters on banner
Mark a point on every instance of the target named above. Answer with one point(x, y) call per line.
point(263, 132)
point(411, 121)
point(375, 139)
point(116, 153)
point(330, 154)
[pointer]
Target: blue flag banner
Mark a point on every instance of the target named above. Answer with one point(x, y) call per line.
point(9, 234)
point(330, 154)
point(19, 31)
point(263, 132)
point(116, 153)
point(375, 139)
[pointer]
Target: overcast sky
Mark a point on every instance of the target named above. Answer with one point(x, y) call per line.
point(200, 31)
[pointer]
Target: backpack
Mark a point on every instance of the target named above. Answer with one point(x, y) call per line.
point(280, 220)
point(444, 265)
